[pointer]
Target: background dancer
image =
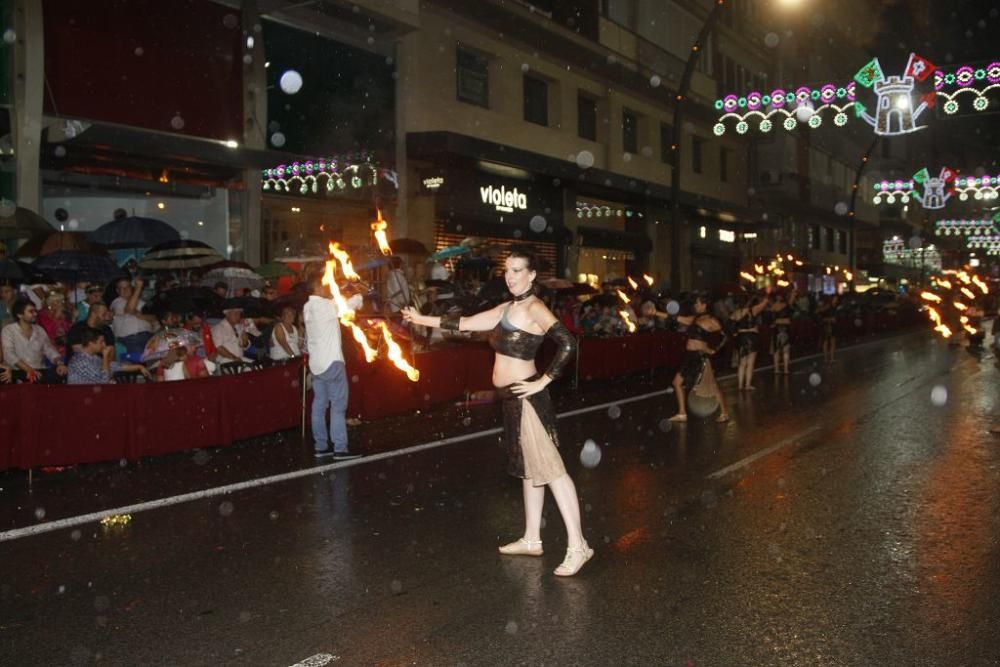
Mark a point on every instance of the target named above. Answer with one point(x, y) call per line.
point(696, 368)
point(827, 314)
point(747, 337)
point(517, 329)
point(781, 340)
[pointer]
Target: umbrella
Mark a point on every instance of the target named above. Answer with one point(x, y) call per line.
point(50, 242)
point(557, 283)
point(230, 264)
point(10, 270)
point(134, 232)
point(408, 247)
point(185, 254)
point(76, 266)
point(161, 342)
point(273, 270)
point(186, 300)
point(23, 224)
point(372, 264)
point(473, 241)
point(450, 251)
point(235, 277)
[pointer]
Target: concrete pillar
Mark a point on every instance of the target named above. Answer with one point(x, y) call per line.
point(254, 133)
point(29, 86)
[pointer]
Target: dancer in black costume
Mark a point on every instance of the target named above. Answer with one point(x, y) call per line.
point(696, 367)
point(827, 314)
point(781, 336)
point(517, 329)
point(746, 318)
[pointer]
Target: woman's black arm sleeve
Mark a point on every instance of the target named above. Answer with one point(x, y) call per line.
point(565, 349)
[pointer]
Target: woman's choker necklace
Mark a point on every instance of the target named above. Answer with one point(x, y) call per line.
point(524, 295)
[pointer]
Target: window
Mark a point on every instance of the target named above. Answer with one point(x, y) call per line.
point(666, 141)
point(696, 145)
point(724, 165)
point(815, 239)
point(843, 243)
point(473, 79)
point(829, 245)
point(630, 131)
point(586, 117)
point(622, 12)
point(536, 101)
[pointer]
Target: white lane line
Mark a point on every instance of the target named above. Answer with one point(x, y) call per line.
point(317, 660)
point(79, 520)
point(767, 451)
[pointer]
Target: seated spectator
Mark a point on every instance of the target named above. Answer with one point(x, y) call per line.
point(6, 372)
point(173, 366)
point(26, 346)
point(221, 289)
point(99, 318)
point(8, 295)
point(286, 341)
point(169, 319)
point(94, 365)
point(194, 322)
point(232, 337)
point(55, 319)
point(131, 327)
point(92, 295)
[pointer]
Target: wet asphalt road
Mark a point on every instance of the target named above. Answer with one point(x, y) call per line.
point(866, 532)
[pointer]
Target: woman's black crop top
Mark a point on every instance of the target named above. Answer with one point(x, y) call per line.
point(510, 341)
point(695, 332)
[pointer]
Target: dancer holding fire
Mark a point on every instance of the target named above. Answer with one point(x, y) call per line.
point(517, 329)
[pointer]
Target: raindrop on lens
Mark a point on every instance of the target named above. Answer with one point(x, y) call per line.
point(226, 508)
point(247, 59)
point(73, 223)
point(139, 51)
point(40, 513)
point(230, 21)
point(840, 208)
point(511, 628)
point(396, 586)
point(915, 242)
point(60, 151)
point(525, 67)
point(673, 308)
point(771, 40)
point(7, 208)
point(290, 82)
point(277, 139)
point(590, 455)
point(517, 233)
point(75, 535)
point(9, 36)
point(815, 379)
point(666, 425)
point(538, 224)
point(654, 81)
point(939, 395)
point(177, 123)
point(585, 159)
point(354, 378)
point(467, 421)
point(614, 412)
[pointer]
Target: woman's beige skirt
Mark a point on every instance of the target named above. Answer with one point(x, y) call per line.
point(530, 436)
point(542, 463)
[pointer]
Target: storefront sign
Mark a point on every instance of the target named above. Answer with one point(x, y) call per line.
point(433, 183)
point(727, 236)
point(504, 200)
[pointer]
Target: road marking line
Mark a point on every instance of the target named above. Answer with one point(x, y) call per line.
point(767, 451)
point(79, 520)
point(317, 660)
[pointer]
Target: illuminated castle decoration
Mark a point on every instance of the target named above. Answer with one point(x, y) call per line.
point(894, 112)
point(934, 196)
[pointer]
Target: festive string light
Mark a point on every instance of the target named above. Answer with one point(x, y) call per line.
point(355, 171)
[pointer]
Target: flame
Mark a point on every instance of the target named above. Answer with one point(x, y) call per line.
point(943, 330)
point(345, 262)
point(758, 268)
point(944, 283)
point(964, 277)
point(379, 227)
point(980, 284)
point(778, 272)
point(648, 278)
point(968, 293)
point(628, 322)
point(959, 305)
point(621, 295)
point(749, 277)
point(930, 296)
point(798, 262)
point(848, 276)
point(934, 315)
point(396, 354)
point(972, 331)
point(963, 319)
point(346, 314)
point(790, 258)
point(783, 283)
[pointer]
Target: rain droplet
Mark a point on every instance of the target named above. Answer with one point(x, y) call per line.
point(510, 628)
point(139, 51)
point(585, 159)
point(517, 233)
point(467, 421)
point(273, 516)
point(290, 82)
point(538, 224)
point(177, 122)
point(590, 455)
point(277, 139)
point(655, 81)
point(7, 208)
point(354, 378)
point(225, 508)
point(397, 588)
point(666, 425)
point(815, 379)
point(60, 151)
point(858, 323)
point(525, 67)
point(771, 40)
point(9, 36)
point(840, 208)
point(73, 223)
point(673, 308)
point(247, 59)
point(803, 113)
point(614, 412)
point(627, 157)
point(76, 535)
point(915, 242)
point(230, 21)
point(39, 513)
point(939, 395)
point(370, 40)
point(62, 589)
point(201, 457)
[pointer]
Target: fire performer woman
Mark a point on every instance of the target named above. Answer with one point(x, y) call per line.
point(747, 338)
point(517, 329)
point(781, 340)
point(827, 313)
point(696, 368)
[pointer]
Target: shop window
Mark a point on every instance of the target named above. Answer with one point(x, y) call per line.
point(473, 79)
point(724, 165)
point(586, 117)
point(630, 131)
point(666, 141)
point(696, 146)
point(536, 101)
